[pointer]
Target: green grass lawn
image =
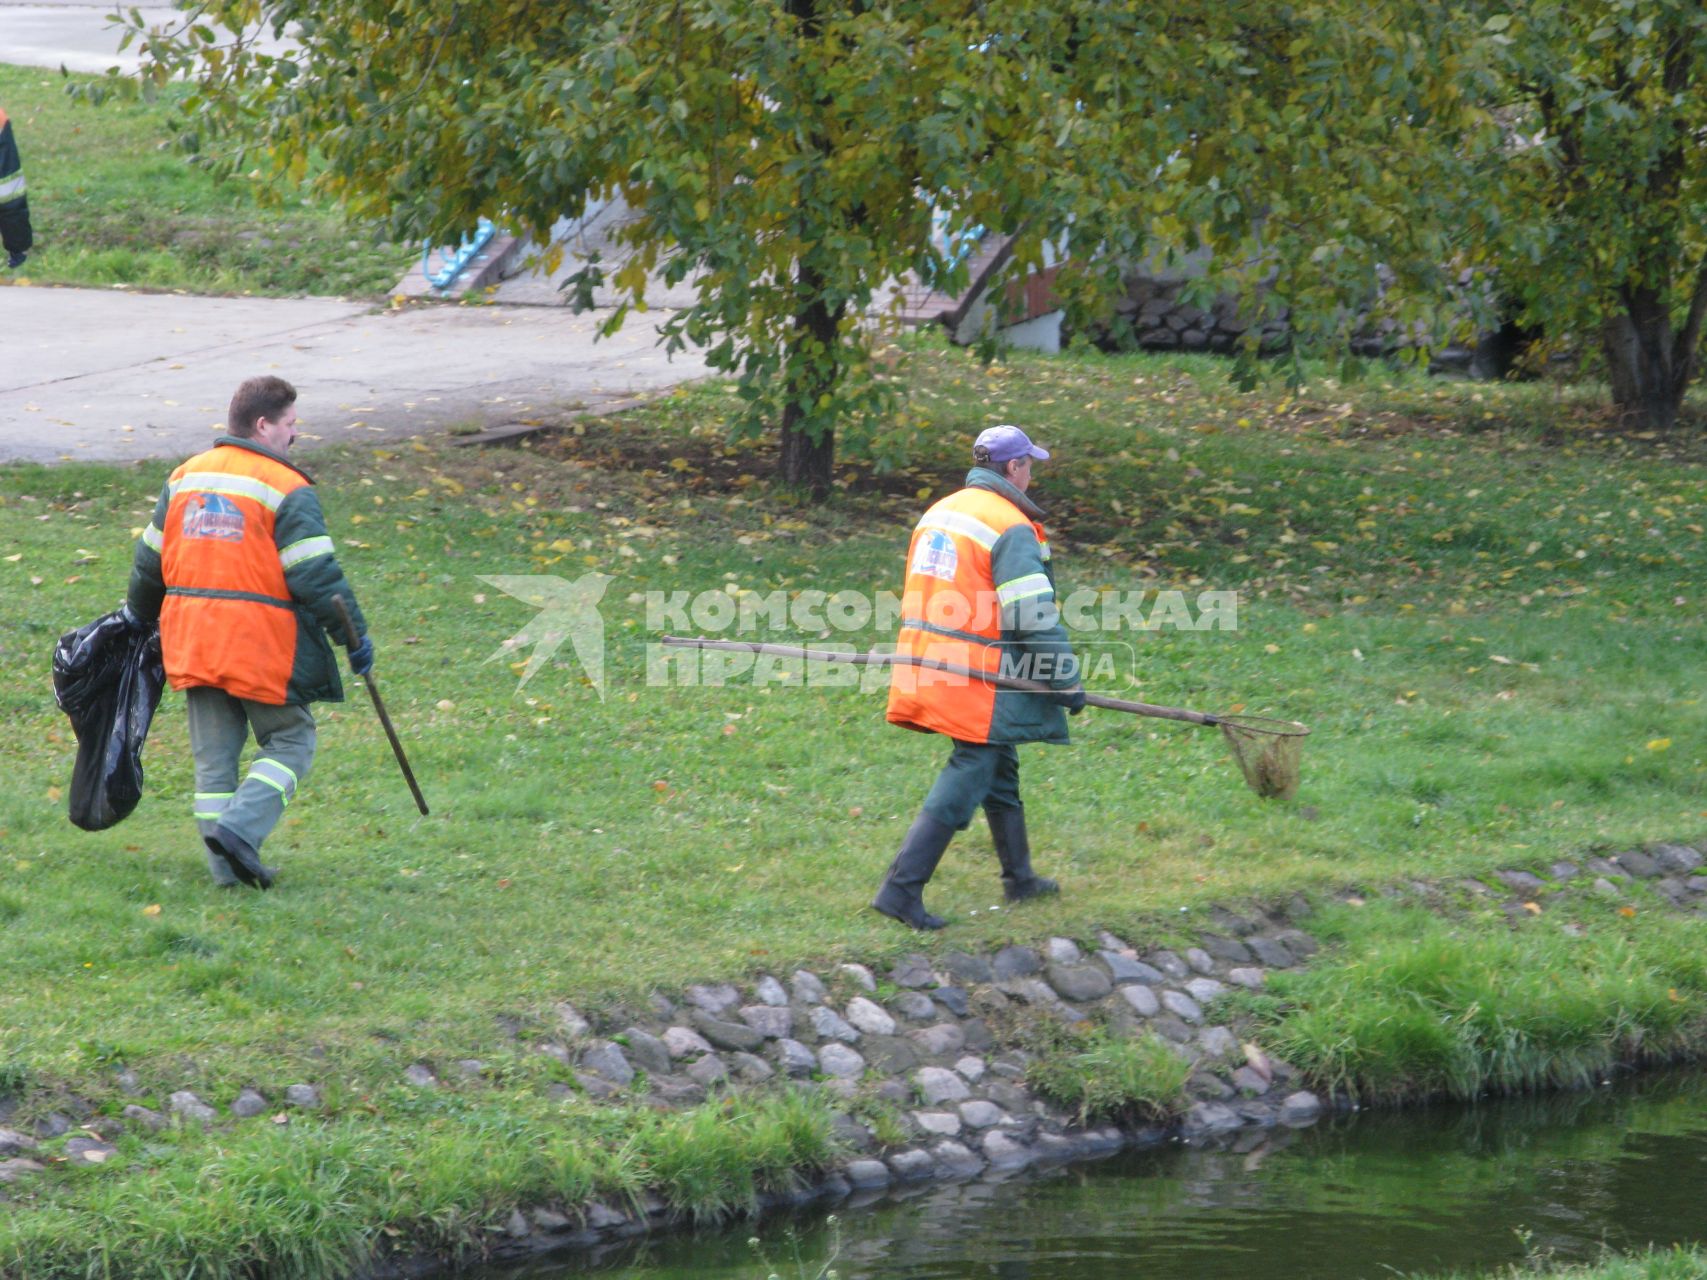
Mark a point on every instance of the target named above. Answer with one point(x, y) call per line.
point(1656, 1264)
point(1488, 611)
point(115, 201)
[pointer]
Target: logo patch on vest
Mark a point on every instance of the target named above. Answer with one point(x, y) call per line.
point(207, 515)
point(936, 556)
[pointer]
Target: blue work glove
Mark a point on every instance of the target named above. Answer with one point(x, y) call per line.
point(133, 620)
point(361, 657)
point(1073, 699)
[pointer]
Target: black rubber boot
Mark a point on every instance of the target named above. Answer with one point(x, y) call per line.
point(242, 857)
point(1019, 881)
point(901, 897)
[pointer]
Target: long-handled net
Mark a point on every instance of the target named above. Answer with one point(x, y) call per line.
point(1269, 751)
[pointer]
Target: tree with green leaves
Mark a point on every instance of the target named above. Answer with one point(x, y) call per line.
point(1594, 211)
point(787, 154)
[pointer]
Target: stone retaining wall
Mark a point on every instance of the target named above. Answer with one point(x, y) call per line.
point(923, 1037)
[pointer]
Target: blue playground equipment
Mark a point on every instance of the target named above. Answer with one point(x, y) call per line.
point(452, 261)
point(954, 246)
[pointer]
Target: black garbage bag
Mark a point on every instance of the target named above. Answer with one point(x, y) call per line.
point(107, 678)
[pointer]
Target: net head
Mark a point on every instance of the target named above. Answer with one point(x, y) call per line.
point(1269, 752)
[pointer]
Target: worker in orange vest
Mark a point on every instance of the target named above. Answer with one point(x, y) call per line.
point(980, 594)
point(238, 569)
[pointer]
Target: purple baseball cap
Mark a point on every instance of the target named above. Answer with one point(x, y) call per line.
point(1006, 443)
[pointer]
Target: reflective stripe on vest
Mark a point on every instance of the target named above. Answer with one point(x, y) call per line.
point(235, 486)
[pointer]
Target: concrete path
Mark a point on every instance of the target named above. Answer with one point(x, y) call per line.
point(75, 34)
point(111, 375)
point(116, 376)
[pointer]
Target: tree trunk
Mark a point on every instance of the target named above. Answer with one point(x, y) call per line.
point(1641, 362)
point(811, 372)
point(1650, 361)
point(806, 463)
point(812, 366)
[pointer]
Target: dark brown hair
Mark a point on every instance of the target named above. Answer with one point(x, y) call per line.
point(263, 397)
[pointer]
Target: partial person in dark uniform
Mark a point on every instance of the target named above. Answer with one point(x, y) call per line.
point(15, 233)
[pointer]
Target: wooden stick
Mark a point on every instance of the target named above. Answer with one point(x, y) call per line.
point(379, 706)
point(932, 664)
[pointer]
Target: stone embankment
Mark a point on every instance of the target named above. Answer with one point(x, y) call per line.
point(927, 1042)
point(927, 1045)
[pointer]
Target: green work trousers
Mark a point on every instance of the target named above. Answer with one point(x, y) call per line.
point(219, 730)
point(977, 773)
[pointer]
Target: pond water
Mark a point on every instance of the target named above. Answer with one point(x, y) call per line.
point(1368, 1195)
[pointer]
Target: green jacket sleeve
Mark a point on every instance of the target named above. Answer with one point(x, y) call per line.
point(147, 580)
point(311, 568)
point(1031, 622)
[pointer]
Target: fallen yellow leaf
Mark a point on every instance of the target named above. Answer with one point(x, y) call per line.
point(152, 909)
point(1659, 744)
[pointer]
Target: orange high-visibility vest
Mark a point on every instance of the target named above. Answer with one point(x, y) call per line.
point(951, 612)
point(228, 619)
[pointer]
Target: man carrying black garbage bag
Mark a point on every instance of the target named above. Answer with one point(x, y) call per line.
point(238, 568)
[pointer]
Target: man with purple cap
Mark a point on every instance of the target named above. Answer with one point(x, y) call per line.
point(980, 594)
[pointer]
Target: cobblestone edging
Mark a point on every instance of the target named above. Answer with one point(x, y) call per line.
point(920, 1037)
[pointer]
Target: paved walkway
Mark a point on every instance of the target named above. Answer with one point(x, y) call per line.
point(75, 34)
point(112, 375)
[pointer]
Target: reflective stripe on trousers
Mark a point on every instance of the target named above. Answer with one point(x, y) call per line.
point(219, 731)
point(210, 807)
